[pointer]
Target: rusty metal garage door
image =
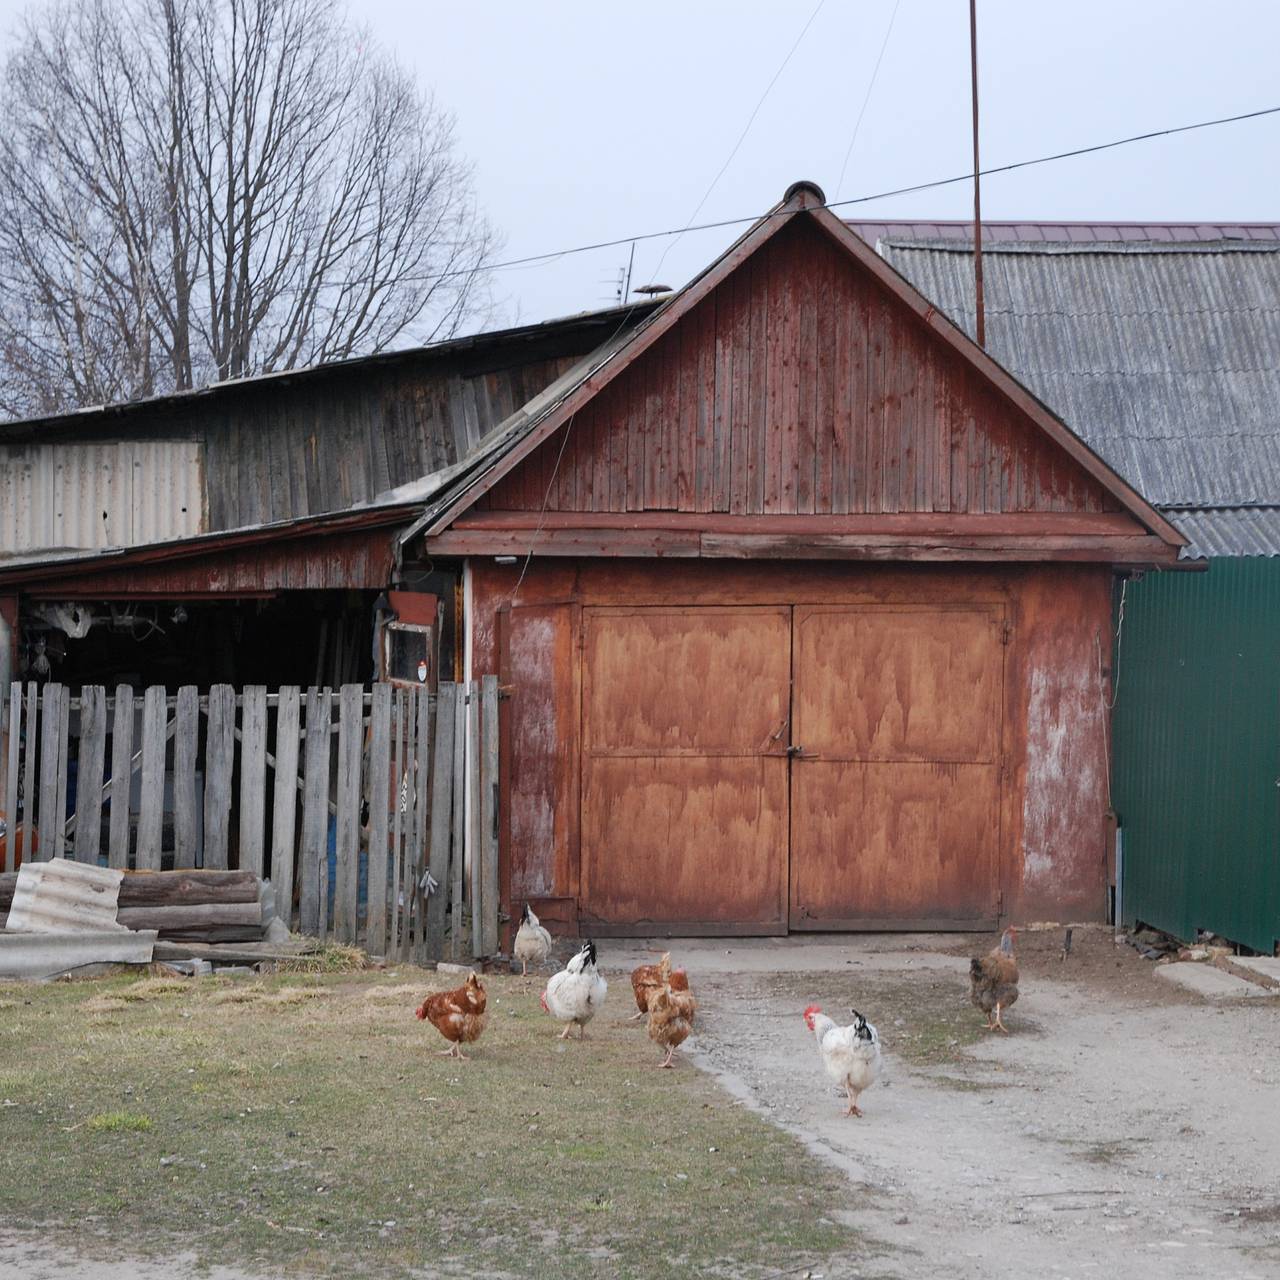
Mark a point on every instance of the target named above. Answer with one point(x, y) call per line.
point(896, 767)
point(684, 770)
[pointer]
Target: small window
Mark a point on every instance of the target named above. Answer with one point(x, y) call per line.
point(408, 654)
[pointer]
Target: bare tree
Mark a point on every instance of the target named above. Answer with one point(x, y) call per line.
point(195, 190)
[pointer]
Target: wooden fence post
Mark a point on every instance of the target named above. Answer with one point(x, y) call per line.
point(29, 771)
point(11, 778)
point(219, 761)
point(121, 778)
point(488, 850)
point(458, 864)
point(379, 812)
point(52, 763)
point(186, 746)
point(422, 823)
point(313, 873)
point(441, 811)
point(473, 841)
point(93, 747)
point(151, 798)
point(346, 906)
point(253, 776)
point(285, 803)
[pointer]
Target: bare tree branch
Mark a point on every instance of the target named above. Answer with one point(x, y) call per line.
point(193, 190)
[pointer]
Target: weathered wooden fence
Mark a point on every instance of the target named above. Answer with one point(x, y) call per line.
point(374, 812)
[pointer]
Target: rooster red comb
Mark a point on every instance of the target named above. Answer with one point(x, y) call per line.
point(810, 1010)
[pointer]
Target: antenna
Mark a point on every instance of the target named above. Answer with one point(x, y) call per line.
point(977, 183)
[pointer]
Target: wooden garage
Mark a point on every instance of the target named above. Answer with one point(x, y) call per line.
point(803, 608)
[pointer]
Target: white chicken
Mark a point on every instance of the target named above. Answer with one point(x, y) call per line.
point(576, 994)
point(533, 943)
point(850, 1054)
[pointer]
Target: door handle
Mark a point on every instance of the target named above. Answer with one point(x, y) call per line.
point(792, 752)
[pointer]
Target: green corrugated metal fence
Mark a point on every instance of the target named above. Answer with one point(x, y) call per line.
point(1196, 771)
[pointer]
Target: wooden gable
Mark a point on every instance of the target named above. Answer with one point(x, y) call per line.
point(801, 399)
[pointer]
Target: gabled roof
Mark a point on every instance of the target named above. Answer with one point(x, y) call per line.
point(1163, 355)
point(1086, 233)
point(517, 438)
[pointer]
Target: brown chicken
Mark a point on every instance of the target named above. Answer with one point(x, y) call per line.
point(457, 1015)
point(671, 1011)
point(646, 979)
point(993, 980)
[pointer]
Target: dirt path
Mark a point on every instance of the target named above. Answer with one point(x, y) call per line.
point(1117, 1125)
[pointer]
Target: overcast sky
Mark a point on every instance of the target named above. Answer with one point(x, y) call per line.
point(596, 121)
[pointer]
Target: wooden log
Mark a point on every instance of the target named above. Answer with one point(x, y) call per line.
point(121, 777)
point(29, 771)
point(13, 725)
point(441, 812)
point(53, 762)
point(488, 850)
point(195, 916)
point(347, 863)
point(312, 874)
point(186, 747)
point(169, 888)
point(380, 799)
point(219, 760)
point(285, 806)
point(212, 933)
point(253, 776)
point(93, 747)
point(233, 953)
point(151, 803)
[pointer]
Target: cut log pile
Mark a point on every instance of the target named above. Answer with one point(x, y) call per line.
point(187, 906)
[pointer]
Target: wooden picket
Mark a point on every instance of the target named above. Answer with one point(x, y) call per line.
point(399, 786)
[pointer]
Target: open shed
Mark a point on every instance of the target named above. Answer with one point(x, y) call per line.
point(803, 605)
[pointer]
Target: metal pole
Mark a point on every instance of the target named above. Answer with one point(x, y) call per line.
point(977, 184)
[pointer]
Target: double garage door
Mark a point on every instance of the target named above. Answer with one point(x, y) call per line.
point(759, 769)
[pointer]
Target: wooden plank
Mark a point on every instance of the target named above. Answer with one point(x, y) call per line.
point(473, 844)
point(13, 837)
point(93, 747)
point(284, 811)
point(29, 770)
point(399, 729)
point(457, 863)
point(253, 777)
point(441, 813)
point(151, 802)
point(421, 825)
point(64, 756)
point(313, 872)
point(489, 811)
point(219, 759)
point(52, 763)
point(121, 777)
point(380, 799)
point(346, 906)
point(186, 750)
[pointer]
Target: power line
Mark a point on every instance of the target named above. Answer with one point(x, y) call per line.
point(751, 119)
point(871, 84)
point(843, 204)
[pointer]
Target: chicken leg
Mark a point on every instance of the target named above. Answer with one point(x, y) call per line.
point(568, 1026)
point(854, 1109)
point(999, 1026)
point(666, 1062)
point(453, 1051)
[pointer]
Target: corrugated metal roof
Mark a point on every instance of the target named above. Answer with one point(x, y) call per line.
point(1163, 357)
point(1229, 531)
point(1068, 232)
point(99, 494)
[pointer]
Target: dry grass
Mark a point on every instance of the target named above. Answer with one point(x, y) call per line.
point(306, 1122)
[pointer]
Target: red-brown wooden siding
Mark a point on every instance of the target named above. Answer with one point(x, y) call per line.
point(799, 386)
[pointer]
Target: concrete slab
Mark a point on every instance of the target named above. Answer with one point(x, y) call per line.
point(1209, 982)
point(1263, 966)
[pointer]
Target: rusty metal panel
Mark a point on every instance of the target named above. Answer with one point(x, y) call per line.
point(684, 786)
point(801, 414)
point(99, 494)
point(896, 773)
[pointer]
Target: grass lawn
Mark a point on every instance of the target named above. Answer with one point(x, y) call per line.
point(305, 1123)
